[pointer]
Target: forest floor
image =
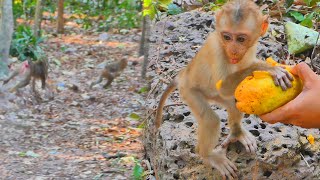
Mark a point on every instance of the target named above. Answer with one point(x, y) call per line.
point(81, 133)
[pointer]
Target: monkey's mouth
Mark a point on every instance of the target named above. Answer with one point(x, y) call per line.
point(234, 60)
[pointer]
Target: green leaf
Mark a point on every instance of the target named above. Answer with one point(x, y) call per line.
point(22, 154)
point(165, 2)
point(147, 3)
point(221, 2)
point(150, 12)
point(137, 171)
point(134, 116)
point(307, 22)
point(143, 89)
point(142, 125)
point(173, 9)
point(296, 15)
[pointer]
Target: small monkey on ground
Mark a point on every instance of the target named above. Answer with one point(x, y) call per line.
point(229, 54)
point(30, 70)
point(110, 72)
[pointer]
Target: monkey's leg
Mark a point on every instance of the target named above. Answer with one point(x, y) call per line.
point(99, 80)
point(237, 132)
point(33, 85)
point(43, 82)
point(208, 133)
point(24, 82)
point(12, 75)
point(110, 79)
point(36, 93)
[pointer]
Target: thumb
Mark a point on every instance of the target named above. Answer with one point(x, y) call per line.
point(305, 73)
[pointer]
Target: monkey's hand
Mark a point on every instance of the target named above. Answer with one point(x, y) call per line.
point(281, 77)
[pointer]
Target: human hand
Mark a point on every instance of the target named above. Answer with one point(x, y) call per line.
point(304, 110)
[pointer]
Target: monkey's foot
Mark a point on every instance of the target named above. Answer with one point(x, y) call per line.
point(219, 160)
point(245, 138)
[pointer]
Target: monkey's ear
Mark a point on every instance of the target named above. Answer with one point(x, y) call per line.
point(218, 14)
point(265, 25)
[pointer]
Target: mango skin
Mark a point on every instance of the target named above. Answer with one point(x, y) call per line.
point(258, 94)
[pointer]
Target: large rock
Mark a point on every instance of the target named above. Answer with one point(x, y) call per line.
point(283, 151)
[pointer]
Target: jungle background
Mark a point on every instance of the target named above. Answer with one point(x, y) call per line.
point(75, 132)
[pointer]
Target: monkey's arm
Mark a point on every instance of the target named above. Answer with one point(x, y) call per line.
point(12, 75)
point(280, 76)
point(24, 82)
point(99, 80)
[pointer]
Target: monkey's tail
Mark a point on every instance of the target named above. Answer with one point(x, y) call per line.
point(171, 87)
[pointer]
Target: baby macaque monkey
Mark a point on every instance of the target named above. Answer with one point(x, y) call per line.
point(229, 54)
point(30, 70)
point(110, 72)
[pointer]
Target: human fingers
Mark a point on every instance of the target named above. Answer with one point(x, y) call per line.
point(281, 114)
point(305, 73)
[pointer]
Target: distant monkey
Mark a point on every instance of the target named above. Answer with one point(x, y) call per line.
point(110, 72)
point(30, 70)
point(229, 54)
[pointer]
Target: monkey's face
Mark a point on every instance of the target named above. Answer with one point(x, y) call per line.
point(239, 25)
point(235, 45)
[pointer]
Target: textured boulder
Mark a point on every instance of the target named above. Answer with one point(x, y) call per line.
point(283, 151)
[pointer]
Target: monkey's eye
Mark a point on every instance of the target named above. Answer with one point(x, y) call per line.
point(227, 37)
point(241, 39)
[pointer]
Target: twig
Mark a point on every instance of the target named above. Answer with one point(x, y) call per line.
point(305, 160)
point(280, 13)
point(151, 91)
point(174, 104)
point(164, 80)
point(148, 164)
point(314, 49)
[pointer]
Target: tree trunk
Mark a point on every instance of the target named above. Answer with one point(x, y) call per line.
point(6, 30)
point(60, 25)
point(141, 48)
point(147, 24)
point(37, 19)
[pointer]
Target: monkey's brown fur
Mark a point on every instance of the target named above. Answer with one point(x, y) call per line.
point(36, 70)
point(110, 72)
point(229, 54)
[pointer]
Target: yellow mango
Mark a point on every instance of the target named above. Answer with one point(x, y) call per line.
point(257, 94)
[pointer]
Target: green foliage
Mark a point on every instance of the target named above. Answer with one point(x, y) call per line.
point(25, 45)
point(143, 90)
point(26, 9)
point(296, 15)
point(307, 22)
point(116, 13)
point(134, 116)
point(304, 20)
point(311, 2)
point(17, 9)
point(152, 8)
point(137, 171)
point(214, 6)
